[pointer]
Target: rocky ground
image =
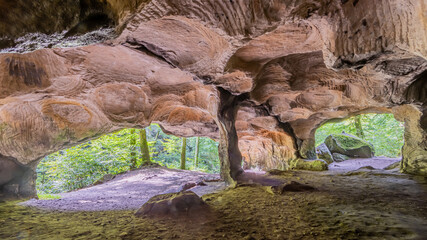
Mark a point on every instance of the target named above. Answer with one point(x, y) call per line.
point(131, 190)
point(367, 203)
point(377, 163)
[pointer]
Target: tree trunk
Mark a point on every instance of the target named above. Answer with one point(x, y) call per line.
point(183, 157)
point(145, 152)
point(196, 156)
point(157, 136)
point(132, 144)
point(358, 125)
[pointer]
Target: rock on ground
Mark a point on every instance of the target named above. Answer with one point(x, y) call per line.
point(311, 165)
point(323, 153)
point(375, 206)
point(350, 146)
point(174, 205)
point(338, 157)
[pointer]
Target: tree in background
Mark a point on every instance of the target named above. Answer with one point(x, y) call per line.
point(145, 152)
point(196, 154)
point(132, 143)
point(358, 126)
point(84, 164)
point(183, 152)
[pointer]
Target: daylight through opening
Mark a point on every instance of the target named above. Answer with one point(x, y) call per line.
point(365, 136)
point(99, 160)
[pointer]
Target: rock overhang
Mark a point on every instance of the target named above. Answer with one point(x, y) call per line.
point(289, 66)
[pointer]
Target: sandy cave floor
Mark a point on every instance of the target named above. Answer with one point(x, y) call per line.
point(348, 204)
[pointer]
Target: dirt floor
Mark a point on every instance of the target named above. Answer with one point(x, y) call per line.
point(368, 203)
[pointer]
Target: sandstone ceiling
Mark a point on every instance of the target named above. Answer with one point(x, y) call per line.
point(258, 75)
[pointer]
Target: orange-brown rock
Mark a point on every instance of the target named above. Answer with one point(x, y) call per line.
point(263, 142)
point(259, 76)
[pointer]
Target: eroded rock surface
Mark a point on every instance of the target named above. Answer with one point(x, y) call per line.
point(259, 76)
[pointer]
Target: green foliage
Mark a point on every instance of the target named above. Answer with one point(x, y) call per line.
point(381, 130)
point(166, 150)
point(82, 165)
point(48, 196)
point(347, 142)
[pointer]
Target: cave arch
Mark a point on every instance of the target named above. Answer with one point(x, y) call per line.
point(202, 64)
point(101, 159)
point(377, 136)
point(413, 150)
point(18, 179)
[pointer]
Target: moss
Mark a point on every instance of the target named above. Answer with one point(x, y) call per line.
point(319, 165)
point(349, 145)
point(347, 142)
point(324, 153)
point(339, 210)
point(48, 196)
point(20, 222)
point(3, 126)
point(63, 136)
point(310, 165)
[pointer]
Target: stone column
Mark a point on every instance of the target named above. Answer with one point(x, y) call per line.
point(17, 180)
point(228, 149)
point(414, 150)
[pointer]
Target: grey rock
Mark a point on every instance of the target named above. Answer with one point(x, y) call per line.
point(323, 152)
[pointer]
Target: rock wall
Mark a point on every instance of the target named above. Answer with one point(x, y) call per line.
point(414, 150)
point(259, 75)
point(20, 17)
point(56, 98)
point(264, 142)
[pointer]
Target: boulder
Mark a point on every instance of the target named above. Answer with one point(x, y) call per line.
point(340, 157)
point(181, 204)
point(349, 145)
point(290, 187)
point(310, 165)
point(323, 153)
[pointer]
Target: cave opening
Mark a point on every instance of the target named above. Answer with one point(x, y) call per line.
point(100, 160)
point(91, 23)
point(368, 140)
